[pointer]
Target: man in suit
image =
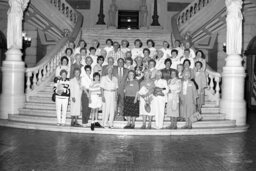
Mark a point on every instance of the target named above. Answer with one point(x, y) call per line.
point(121, 73)
point(105, 67)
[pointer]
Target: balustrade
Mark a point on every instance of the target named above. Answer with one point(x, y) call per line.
point(212, 91)
point(191, 10)
point(65, 9)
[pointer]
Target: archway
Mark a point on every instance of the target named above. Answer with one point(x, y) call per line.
point(3, 48)
point(251, 70)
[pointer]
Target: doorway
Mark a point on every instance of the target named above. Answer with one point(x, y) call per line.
point(128, 19)
point(251, 70)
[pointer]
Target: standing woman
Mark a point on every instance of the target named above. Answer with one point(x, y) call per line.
point(61, 88)
point(201, 58)
point(98, 66)
point(109, 86)
point(131, 104)
point(174, 85)
point(95, 101)
point(160, 97)
point(75, 94)
point(146, 97)
point(63, 66)
point(151, 47)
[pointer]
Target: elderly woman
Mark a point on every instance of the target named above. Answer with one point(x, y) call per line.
point(151, 47)
point(137, 50)
point(75, 95)
point(62, 91)
point(139, 68)
point(109, 86)
point(146, 89)
point(160, 60)
point(174, 85)
point(63, 66)
point(125, 46)
point(131, 104)
point(98, 66)
point(188, 99)
point(160, 97)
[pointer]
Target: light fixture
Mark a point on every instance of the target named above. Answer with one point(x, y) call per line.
point(129, 20)
point(224, 47)
point(26, 40)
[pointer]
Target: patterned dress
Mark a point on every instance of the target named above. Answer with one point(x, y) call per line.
point(96, 100)
point(131, 108)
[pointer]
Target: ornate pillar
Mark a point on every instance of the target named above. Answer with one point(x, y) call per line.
point(232, 103)
point(155, 16)
point(13, 97)
point(101, 15)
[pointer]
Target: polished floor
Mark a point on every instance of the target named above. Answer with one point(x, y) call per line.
point(41, 150)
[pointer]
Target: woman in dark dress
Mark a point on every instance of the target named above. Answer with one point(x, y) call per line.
point(131, 104)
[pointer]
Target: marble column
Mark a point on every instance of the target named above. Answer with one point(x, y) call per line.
point(233, 77)
point(13, 97)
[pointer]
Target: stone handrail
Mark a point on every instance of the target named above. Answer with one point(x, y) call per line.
point(36, 77)
point(65, 9)
point(213, 86)
point(191, 10)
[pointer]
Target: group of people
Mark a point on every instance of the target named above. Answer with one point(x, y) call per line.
point(126, 83)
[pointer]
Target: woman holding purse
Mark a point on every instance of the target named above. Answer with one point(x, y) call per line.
point(62, 91)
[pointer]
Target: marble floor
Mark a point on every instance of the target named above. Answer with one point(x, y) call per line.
point(41, 150)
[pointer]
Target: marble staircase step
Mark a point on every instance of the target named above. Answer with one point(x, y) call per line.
point(124, 132)
point(121, 124)
point(52, 113)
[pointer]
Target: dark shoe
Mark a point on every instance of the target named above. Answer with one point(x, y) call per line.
point(92, 126)
point(143, 127)
point(77, 125)
point(98, 125)
point(132, 126)
point(149, 126)
point(128, 126)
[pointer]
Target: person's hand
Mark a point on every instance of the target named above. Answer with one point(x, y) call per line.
point(103, 99)
point(73, 99)
point(135, 101)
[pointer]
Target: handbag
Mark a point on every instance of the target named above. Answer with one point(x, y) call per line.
point(147, 107)
point(54, 97)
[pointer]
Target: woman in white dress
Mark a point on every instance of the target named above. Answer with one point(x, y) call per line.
point(125, 46)
point(109, 46)
point(95, 101)
point(146, 97)
point(159, 100)
point(166, 49)
point(75, 96)
point(151, 47)
point(137, 50)
point(174, 85)
point(109, 86)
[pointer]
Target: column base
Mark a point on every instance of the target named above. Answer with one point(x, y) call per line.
point(13, 96)
point(100, 26)
point(232, 102)
point(155, 27)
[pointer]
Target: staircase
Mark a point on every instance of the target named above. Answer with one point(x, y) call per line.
point(39, 110)
point(122, 34)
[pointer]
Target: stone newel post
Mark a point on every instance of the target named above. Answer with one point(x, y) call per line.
point(232, 103)
point(13, 97)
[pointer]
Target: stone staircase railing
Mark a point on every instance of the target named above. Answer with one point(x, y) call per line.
point(213, 91)
point(191, 10)
point(38, 76)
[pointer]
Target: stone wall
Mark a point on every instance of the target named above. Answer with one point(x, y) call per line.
point(91, 15)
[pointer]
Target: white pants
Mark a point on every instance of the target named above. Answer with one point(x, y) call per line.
point(108, 108)
point(61, 109)
point(159, 106)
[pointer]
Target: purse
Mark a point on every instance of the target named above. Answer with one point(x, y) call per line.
point(147, 107)
point(54, 97)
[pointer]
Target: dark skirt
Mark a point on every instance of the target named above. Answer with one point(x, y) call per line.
point(131, 109)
